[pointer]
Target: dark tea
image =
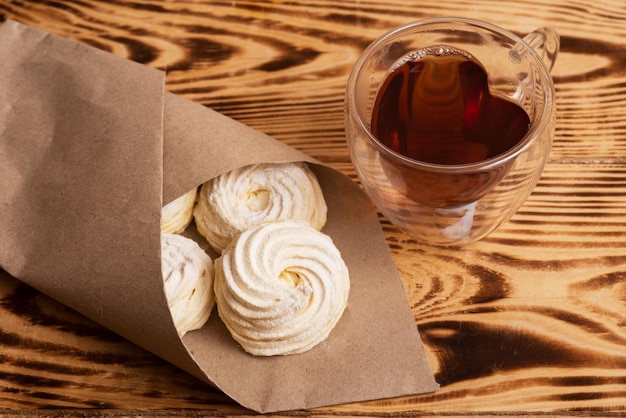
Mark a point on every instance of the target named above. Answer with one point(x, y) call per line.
point(436, 107)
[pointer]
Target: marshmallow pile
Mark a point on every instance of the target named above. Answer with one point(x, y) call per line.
point(279, 283)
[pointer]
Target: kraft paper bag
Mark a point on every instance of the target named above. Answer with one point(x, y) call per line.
point(92, 146)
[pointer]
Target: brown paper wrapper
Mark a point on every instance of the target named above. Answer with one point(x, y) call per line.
point(91, 147)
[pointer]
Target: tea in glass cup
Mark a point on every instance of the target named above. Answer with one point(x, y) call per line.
point(449, 124)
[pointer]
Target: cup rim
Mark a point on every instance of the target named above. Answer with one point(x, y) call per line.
point(483, 165)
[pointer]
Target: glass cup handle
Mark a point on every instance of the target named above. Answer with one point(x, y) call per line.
point(545, 41)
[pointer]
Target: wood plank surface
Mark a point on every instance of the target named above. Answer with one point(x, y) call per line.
point(530, 321)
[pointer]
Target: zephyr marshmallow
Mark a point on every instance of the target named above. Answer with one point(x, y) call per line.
point(233, 202)
point(281, 287)
point(177, 215)
point(188, 275)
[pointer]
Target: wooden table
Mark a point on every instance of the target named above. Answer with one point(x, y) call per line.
point(530, 321)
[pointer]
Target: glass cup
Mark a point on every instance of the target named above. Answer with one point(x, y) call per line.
point(461, 203)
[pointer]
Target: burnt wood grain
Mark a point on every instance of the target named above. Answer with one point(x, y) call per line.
point(531, 321)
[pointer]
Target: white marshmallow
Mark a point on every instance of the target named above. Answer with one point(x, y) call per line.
point(237, 200)
point(188, 275)
point(177, 215)
point(281, 287)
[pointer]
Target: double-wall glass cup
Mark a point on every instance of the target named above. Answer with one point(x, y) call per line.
point(454, 204)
